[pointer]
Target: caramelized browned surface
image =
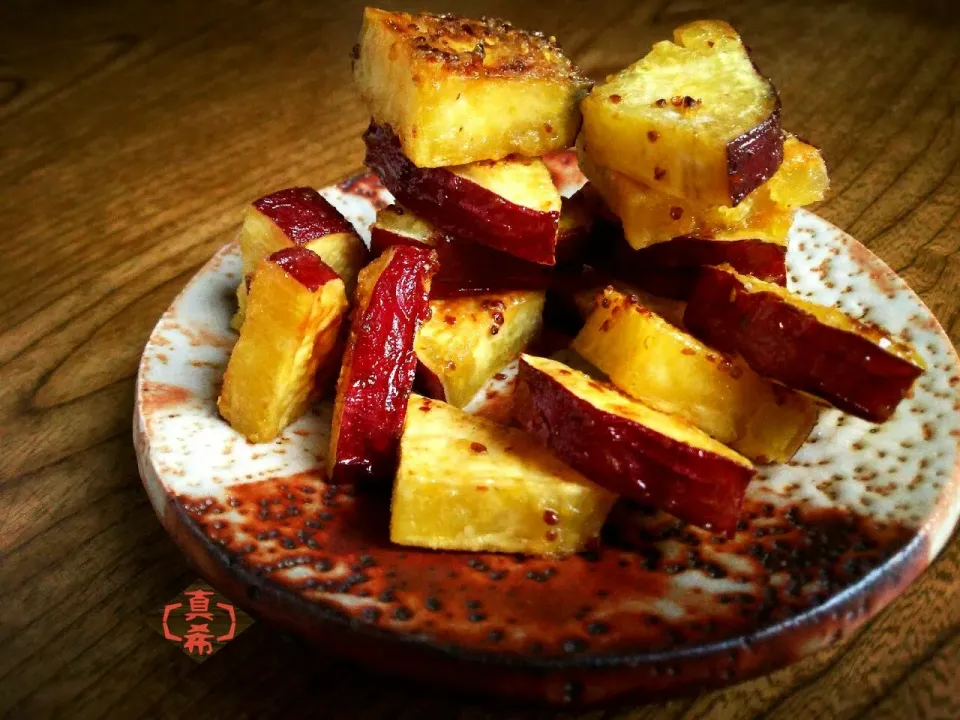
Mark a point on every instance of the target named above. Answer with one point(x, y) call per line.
point(488, 46)
point(102, 229)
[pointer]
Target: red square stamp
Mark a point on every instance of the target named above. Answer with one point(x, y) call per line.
point(200, 620)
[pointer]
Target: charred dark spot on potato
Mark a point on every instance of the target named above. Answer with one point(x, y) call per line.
point(478, 447)
point(615, 99)
point(660, 103)
point(676, 212)
point(653, 135)
point(659, 173)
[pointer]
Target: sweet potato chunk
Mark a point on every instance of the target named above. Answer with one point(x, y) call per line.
point(510, 204)
point(652, 359)
point(298, 217)
point(379, 364)
point(396, 225)
point(294, 312)
point(466, 267)
point(577, 221)
point(630, 448)
point(651, 216)
point(694, 118)
point(466, 483)
point(469, 339)
point(671, 268)
point(858, 368)
point(457, 90)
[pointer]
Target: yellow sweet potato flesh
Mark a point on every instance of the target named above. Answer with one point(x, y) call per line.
point(667, 120)
point(659, 363)
point(650, 216)
point(289, 332)
point(260, 237)
point(469, 339)
point(523, 181)
point(465, 483)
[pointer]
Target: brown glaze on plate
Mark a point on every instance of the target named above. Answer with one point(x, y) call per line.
point(658, 608)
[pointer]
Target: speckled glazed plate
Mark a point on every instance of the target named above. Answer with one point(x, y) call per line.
point(825, 541)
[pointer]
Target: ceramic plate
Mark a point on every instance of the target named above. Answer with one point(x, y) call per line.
point(825, 541)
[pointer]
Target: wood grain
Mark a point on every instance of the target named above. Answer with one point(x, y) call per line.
point(130, 136)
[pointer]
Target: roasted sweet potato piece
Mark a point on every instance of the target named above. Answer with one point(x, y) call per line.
point(298, 217)
point(466, 267)
point(510, 204)
point(671, 268)
point(457, 90)
point(630, 448)
point(651, 216)
point(379, 365)
point(638, 342)
point(469, 339)
point(294, 312)
point(694, 118)
point(466, 483)
point(858, 368)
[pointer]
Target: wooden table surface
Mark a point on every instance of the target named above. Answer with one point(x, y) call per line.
point(131, 134)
